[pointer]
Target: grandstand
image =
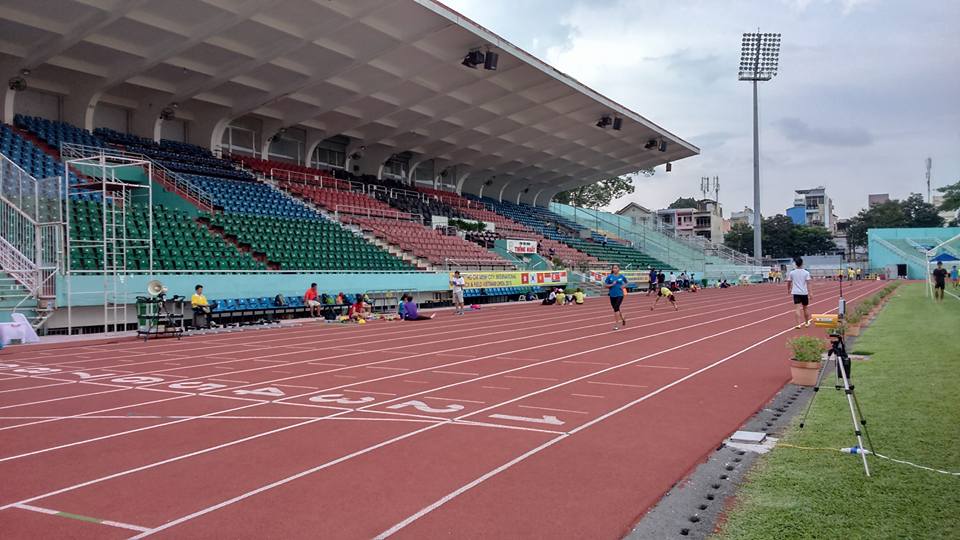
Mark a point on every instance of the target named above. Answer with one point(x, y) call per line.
point(906, 252)
point(229, 164)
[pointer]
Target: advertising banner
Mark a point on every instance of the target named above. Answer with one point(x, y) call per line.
point(521, 246)
point(634, 277)
point(490, 280)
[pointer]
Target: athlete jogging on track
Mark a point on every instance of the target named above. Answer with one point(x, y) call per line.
point(797, 285)
point(616, 284)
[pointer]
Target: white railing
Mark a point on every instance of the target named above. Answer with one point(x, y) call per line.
point(161, 174)
point(375, 213)
point(449, 263)
point(317, 180)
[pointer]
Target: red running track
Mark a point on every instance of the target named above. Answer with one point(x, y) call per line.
point(515, 421)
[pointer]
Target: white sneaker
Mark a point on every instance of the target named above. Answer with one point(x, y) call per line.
point(615, 327)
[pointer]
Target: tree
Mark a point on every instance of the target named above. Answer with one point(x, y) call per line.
point(912, 212)
point(920, 213)
point(781, 238)
point(951, 197)
point(740, 238)
point(684, 202)
point(598, 194)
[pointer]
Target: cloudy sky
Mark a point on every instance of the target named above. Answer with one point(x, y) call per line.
point(867, 88)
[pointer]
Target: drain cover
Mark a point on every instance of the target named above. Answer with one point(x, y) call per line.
point(749, 437)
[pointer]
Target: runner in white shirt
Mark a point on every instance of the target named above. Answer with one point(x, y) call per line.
point(457, 283)
point(797, 284)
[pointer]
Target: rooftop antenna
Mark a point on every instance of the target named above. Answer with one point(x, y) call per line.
point(716, 190)
point(704, 186)
point(929, 165)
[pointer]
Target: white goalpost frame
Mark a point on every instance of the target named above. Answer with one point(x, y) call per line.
point(931, 253)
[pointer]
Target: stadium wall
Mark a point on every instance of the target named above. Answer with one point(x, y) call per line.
point(886, 248)
point(87, 290)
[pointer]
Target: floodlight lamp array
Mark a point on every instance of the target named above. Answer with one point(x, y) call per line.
point(759, 56)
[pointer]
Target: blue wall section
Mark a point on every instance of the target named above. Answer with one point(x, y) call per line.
point(890, 247)
point(218, 286)
point(797, 214)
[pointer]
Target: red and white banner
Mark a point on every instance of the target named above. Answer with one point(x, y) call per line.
point(521, 246)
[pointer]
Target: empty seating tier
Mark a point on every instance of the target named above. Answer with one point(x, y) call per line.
point(178, 242)
point(250, 197)
point(54, 133)
point(176, 156)
point(428, 244)
point(345, 202)
point(31, 158)
point(306, 244)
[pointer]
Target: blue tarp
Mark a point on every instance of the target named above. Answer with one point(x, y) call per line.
point(944, 257)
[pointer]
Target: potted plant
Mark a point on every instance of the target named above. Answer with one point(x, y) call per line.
point(853, 320)
point(805, 362)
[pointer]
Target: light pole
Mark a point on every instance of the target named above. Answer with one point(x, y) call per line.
point(759, 56)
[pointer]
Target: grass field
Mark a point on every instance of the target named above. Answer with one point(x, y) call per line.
point(910, 393)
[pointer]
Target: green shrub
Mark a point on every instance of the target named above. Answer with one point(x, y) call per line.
point(807, 348)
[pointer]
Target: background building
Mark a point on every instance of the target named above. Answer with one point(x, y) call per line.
point(877, 198)
point(745, 216)
point(816, 206)
point(705, 220)
point(640, 215)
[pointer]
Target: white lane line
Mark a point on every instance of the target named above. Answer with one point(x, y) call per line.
point(121, 433)
point(80, 415)
point(229, 380)
point(36, 387)
point(586, 363)
point(587, 396)
point(281, 372)
point(68, 515)
point(286, 480)
point(415, 382)
point(172, 364)
point(65, 397)
point(272, 361)
point(298, 386)
point(347, 376)
point(527, 377)
point(455, 400)
point(170, 460)
point(466, 487)
point(455, 372)
point(369, 392)
point(330, 364)
point(552, 410)
point(618, 384)
point(663, 367)
point(389, 368)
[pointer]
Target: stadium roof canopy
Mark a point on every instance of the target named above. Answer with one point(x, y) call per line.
point(385, 73)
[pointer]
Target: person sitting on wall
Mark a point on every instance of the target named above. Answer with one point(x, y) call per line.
point(311, 301)
point(411, 312)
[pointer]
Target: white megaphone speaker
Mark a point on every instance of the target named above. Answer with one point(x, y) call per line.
point(155, 288)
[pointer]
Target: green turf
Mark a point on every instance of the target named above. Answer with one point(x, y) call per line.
point(910, 394)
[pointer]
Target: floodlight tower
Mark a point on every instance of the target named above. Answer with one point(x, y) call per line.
point(759, 56)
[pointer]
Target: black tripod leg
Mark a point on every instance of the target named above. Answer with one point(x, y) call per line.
point(816, 390)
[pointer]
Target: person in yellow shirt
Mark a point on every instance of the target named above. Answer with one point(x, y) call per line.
point(201, 308)
point(578, 296)
point(665, 292)
point(198, 300)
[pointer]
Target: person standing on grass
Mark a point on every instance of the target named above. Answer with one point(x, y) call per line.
point(458, 283)
point(798, 285)
point(653, 281)
point(955, 277)
point(664, 292)
point(939, 281)
point(616, 285)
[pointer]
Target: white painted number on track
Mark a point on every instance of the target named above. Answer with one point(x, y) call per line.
point(423, 407)
point(545, 419)
point(137, 379)
point(341, 399)
point(199, 386)
point(269, 391)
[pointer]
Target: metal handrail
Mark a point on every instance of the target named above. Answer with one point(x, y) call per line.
point(375, 213)
point(71, 150)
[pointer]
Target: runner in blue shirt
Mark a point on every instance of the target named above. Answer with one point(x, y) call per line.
point(617, 285)
point(653, 281)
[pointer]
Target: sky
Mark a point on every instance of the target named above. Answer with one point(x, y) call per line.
point(867, 89)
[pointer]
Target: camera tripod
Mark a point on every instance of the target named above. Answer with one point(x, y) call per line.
point(838, 351)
